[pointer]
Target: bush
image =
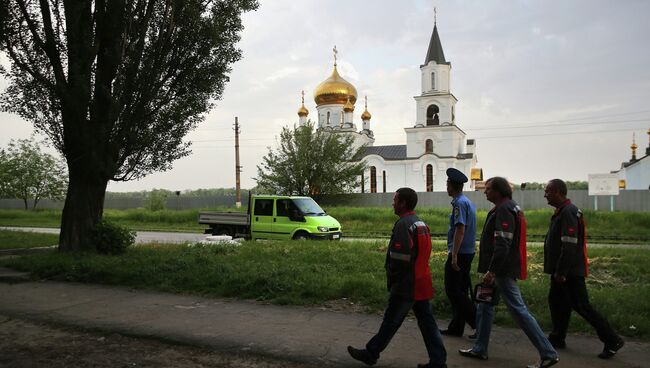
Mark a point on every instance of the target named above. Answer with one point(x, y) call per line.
point(110, 238)
point(156, 200)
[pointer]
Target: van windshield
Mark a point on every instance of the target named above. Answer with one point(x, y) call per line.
point(308, 207)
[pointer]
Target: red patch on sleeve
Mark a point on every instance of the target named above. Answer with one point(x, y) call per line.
point(397, 245)
point(505, 225)
point(571, 230)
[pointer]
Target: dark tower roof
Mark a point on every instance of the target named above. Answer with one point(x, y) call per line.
point(435, 52)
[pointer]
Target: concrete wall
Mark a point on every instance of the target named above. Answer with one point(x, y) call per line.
point(627, 200)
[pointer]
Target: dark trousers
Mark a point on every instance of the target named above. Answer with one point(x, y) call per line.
point(394, 315)
point(457, 288)
point(572, 295)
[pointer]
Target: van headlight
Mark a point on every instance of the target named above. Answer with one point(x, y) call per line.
point(323, 229)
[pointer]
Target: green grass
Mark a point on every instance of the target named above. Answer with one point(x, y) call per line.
point(320, 273)
point(25, 239)
point(604, 227)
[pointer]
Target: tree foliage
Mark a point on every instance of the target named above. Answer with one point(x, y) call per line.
point(571, 185)
point(28, 173)
point(115, 85)
point(309, 162)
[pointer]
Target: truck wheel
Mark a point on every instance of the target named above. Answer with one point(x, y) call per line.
point(301, 235)
point(224, 231)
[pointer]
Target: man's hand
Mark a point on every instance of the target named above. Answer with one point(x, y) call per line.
point(559, 278)
point(454, 261)
point(488, 278)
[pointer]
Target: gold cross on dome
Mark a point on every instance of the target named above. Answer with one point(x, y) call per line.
point(303, 95)
point(335, 53)
point(435, 13)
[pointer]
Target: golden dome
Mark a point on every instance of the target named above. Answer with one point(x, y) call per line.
point(366, 115)
point(348, 107)
point(302, 111)
point(335, 90)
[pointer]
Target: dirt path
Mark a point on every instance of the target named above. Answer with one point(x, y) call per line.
point(32, 344)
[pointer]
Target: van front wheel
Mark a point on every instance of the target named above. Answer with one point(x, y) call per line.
point(301, 235)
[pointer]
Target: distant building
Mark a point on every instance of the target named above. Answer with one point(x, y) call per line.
point(636, 172)
point(433, 144)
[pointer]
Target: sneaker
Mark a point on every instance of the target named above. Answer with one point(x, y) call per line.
point(449, 332)
point(472, 354)
point(544, 363)
point(610, 351)
point(429, 365)
point(362, 355)
point(472, 336)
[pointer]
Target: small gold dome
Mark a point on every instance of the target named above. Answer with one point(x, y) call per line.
point(365, 115)
point(302, 111)
point(335, 90)
point(348, 107)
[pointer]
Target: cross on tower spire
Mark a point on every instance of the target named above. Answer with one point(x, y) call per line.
point(335, 53)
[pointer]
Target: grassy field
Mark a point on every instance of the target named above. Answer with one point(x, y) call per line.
point(336, 273)
point(24, 239)
point(358, 221)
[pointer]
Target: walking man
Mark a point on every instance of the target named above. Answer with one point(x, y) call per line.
point(565, 259)
point(461, 239)
point(502, 259)
point(409, 284)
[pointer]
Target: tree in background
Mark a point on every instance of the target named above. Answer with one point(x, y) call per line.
point(571, 185)
point(115, 85)
point(28, 173)
point(309, 162)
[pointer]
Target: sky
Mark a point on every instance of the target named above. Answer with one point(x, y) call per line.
point(546, 88)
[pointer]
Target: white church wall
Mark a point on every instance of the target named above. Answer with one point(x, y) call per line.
point(637, 176)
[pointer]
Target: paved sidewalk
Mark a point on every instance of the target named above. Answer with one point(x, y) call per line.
point(309, 335)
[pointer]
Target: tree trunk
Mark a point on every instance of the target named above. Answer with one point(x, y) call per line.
point(84, 207)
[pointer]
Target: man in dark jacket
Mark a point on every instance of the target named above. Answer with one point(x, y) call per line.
point(409, 284)
point(502, 259)
point(565, 259)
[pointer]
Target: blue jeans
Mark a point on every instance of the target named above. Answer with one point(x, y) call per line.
point(395, 313)
point(512, 298)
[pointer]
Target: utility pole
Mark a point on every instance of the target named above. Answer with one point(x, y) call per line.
point(237, 166)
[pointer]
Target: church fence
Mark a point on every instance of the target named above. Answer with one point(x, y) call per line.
point(627, 200)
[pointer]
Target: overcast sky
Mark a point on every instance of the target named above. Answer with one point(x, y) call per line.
point(547, 88)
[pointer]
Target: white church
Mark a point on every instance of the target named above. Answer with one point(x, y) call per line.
point(434, 143)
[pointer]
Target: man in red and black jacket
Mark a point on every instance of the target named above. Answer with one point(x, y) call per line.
point(565, 259)
point(502, 260)
point(409, 284)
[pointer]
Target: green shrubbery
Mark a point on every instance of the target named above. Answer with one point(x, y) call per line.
point(110, 238)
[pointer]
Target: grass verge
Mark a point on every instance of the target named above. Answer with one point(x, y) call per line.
point(26, 239)
point(321, 273)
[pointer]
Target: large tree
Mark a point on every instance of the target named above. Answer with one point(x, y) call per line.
point(309, 162)
point(116, 85)
point(28, 173)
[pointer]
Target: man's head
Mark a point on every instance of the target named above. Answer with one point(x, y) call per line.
point(455, 180)
point(404, 200)
point(555, 192)
point(497, 189)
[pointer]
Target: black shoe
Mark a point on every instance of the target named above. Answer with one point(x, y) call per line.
point(362, 355)
point(472, 354)
point(610, 351)
point(556, 342)
point(545, 363)
point(428, 365)
point(472, 336)
point(448, 332)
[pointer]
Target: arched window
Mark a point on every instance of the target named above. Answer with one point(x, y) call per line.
point(428, 146)
point(433, 81)
point(328, 118)
point(363, 183)
point(373, 179)
point(432, 115)
point(383, 175)
point(429, 178)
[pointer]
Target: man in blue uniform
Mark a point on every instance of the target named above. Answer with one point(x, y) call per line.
point(502, 260)
point(461, 239)
point(565, 259)
point(409, 284)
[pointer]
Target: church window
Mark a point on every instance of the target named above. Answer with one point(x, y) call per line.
point(432, 115)
point(373, 179)
point(433, 81)
point(429, 178)
point(363, 183)
point(383, 176)
point(453, 114)
point(328, 118)
point(428, 146)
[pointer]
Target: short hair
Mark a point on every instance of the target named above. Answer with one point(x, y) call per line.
point(501, 186)
point(409, 197)
point(456, 186)
point(559, 185)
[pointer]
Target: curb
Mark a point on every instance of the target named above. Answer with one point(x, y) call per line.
point(21, 251)
point(12, 276)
